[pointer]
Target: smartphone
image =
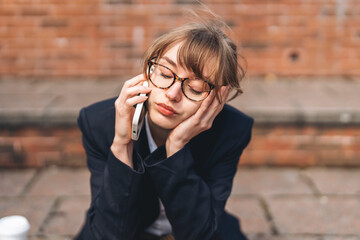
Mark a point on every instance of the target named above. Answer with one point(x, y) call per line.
point(139, 117)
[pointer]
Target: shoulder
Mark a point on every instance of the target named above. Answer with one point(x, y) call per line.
point(101, 107)
point(97, 120)
point(232, 121)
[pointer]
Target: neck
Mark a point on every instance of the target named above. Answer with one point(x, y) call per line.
point(159, 134)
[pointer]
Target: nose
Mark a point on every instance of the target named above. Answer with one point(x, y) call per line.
point(174, 93)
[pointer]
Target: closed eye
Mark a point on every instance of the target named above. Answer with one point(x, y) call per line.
point(166, 76)
point(195, 92)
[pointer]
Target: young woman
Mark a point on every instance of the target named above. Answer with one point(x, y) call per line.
point(174, 181)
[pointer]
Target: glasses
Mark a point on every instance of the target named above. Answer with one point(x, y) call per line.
point(163, 77)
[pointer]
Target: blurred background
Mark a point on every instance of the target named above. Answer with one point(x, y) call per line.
point(302, 88)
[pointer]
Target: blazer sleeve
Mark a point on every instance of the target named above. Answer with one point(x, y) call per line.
point(114, 188)
point(195, 205)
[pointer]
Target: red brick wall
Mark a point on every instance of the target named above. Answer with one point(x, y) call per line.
point(101, 38)
point(307, 145)
point(41, 146)
point(270, 145)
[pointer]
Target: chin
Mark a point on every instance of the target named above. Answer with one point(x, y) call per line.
point(162, 121)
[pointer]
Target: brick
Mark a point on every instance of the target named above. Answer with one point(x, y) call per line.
point(75, 11)
point(34, 12)
point(46, 158)
point(335, 181)
point(57, 23)
point(35, 209)
point(286, 158)
point(13, 182)
point(250, 213)
point(55, 181)
point(302, 215)
point(119, 1)
point(8, 159)
point(8, 11)
point(269, 182)
point(186, 2)
point(68, 217)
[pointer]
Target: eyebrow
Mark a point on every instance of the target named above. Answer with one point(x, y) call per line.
point(169, 61)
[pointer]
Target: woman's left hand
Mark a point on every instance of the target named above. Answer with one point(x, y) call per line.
point(202, 120)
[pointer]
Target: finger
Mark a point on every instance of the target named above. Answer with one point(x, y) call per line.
point(130, 102)
point(206, 110)
point(215, 107)
point(224, 93)
point(222, 96)
point(135, 80)
point(207, 101)
point(130, 83)
point(136, 90)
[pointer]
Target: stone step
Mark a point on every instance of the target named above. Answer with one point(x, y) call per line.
point(291, 101)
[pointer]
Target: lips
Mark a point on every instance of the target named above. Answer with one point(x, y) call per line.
point(166, 110)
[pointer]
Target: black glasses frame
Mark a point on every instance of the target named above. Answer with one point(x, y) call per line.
point(176, 77)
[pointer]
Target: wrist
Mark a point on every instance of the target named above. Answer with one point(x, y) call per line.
point(123, 152)
point(173, 146)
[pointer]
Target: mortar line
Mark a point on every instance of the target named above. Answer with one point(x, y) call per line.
point(50, 214)
point(38, 173)
point(268, 216)
point(310, 183)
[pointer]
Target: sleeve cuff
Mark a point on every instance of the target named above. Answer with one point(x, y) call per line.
point(181, 159)
point(121, 169)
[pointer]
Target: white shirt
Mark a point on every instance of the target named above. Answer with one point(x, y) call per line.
point(161, 225)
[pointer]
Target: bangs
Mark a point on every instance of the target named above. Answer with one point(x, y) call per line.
point(198, 53)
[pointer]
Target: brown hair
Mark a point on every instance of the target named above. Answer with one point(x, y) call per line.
point(203, 43)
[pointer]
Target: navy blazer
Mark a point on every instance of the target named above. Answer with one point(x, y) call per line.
point(193, 184)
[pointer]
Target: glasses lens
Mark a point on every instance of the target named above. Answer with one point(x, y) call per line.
point(161, 76)
point(196, 89)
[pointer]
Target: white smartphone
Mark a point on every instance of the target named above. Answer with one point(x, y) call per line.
point(139, 117)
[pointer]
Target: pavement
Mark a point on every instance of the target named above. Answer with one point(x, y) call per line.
point(269, 100)
point(272, 203)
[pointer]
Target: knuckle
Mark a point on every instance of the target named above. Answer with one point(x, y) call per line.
point(196, 122)
point(128, 102)
point(117, 103)
point(203, 125)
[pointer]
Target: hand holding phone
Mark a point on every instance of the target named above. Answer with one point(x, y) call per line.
point(139, 116)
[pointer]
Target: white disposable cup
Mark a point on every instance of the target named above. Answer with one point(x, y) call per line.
point(14, 228)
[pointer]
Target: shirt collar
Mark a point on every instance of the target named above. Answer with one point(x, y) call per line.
point(152, 144)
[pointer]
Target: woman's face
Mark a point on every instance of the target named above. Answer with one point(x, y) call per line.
point(169, 107)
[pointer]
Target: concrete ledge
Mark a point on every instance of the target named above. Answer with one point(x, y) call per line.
point(286, 101)
point(302, 101)
point(56, 102)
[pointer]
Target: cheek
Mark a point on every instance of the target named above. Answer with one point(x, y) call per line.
point(190, 108)
point(152, 96)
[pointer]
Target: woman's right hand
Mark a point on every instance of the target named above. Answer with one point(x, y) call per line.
point(124, 110)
